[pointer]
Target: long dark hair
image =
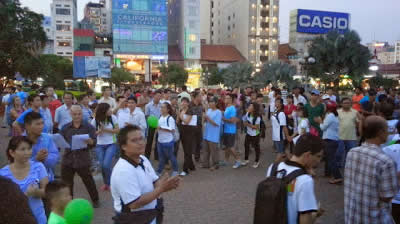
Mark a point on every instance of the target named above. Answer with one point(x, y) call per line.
point(256, 110)
point(169, 108)
point(101, 114)
point(13, 145)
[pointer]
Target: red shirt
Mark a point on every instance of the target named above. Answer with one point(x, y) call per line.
point(288, 109)
point(53, 105)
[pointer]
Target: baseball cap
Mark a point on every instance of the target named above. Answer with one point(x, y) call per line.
point(331, 105)
point(315, 91)
point(325, 96)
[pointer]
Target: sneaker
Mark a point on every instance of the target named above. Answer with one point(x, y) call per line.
point(174, 173)
point(237, 165)
point(183, 174)
point(255, 165)
point(244, 163)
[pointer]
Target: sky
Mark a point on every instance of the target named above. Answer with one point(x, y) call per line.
point(372, 19)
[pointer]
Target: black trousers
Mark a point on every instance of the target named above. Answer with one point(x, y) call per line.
point(255, 142)
point(67, 175)
point(396, 213)
point(149, 144)
point(187, 137)
point(197, 142)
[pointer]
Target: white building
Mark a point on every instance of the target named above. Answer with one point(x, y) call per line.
point(48, 28)
point(397, 52)
point(64, 20)
point(99, 14)
point(249, 25)
point(184, 30)
point(386, 57)
point(205, 22)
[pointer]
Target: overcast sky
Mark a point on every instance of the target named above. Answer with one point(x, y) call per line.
point(372, 19)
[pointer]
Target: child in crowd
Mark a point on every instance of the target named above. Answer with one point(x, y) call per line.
point(59, 195)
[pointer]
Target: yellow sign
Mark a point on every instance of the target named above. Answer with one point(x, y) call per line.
point(193, 80)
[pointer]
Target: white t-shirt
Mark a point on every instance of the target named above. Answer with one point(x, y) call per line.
point(106, 138)
point(164, 136)
point(249, 130)
point(135, 118)
point(303, 125)
point(300, 99)
point(129, 183)
point(277, 132)
point(110, 100)
point(393, 151)
point(301, 194)
point(272, 101)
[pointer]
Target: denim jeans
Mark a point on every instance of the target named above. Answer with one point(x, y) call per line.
point(279, 146)
point(330, 150)
point(343, 149)
point(105, 154)
point(166, 152)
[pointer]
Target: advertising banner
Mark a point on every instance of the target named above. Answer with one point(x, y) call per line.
point(92, 66)
point(321, 22)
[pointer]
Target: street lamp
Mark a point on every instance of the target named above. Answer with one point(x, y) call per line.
point(305, 62)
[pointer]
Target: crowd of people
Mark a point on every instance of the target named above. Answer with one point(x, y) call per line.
point(82, 135)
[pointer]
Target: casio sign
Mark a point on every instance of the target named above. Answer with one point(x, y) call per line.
point(320, 22)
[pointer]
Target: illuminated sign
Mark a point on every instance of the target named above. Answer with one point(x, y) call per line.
point(134, 57)
point(140, 27)
point(321, 22)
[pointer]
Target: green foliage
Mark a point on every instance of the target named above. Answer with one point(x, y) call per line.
point(238, 75)
point(54, 69)
point(379, 80)
point(337, 54)
point(120, 75)
point(215, 77)
point(174, 74)
point(22, 38)
point(276, 72)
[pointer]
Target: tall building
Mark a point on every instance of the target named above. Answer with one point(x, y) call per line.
point(376, 47)
point(397, 52)
point(305, 25)
point(140, 41)
point(64, 20)
point(386, 57)
point(249, 25)
point(48, 28)
point(98, 14)
point(205, 22)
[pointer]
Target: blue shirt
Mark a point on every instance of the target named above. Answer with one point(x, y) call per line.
point(212, 133)
point(22, 95)
point(36, 173)
point(330, 127)
point(230, 112)
point(62, 116)
point(48, 125)
point(86, 114)
point(46, 142)
point(153, 109)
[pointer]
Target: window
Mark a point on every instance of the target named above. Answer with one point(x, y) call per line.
point(193, 11)
point(63, 43)
point(229, 17)
point(48, 30)
point(58, 5)
point(104, 22)
point(104, 14)
point(192, 24)
point(60, 53)
point(192, 50)
point(59, 37)
point(84, 47)
point(192, 38)
point(233, 15)
point(67, 22)
point(59, 21)
point(68, 53)
point(228, 28)
point(66, 5)
point(62, 27)
point(62, 11)
point(233, 26)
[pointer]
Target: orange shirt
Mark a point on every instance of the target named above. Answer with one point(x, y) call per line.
point(355, 102)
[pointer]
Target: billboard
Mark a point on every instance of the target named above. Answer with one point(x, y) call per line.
point(321, 22)
point(140, 27)
point(92, 66)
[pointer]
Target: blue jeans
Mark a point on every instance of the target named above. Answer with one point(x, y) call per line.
point(105, 154)
point(343, 149)
point(166, 152)
point(279, 146)
point(330, 150)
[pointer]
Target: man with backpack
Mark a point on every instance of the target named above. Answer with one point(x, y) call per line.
point(287, 195)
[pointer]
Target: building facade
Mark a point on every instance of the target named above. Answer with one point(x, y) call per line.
point(98, 14)
point(249, 25)
point(386, 57)
point(64, 20)
point(84, 42)
point(48, 28)
point(397, 52)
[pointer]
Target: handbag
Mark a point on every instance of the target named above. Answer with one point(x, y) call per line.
point(140, 217)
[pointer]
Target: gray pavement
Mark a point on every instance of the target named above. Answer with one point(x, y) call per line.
point(223, 196)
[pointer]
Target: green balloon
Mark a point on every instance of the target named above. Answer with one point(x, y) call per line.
point(153, 121)
point(78, 211)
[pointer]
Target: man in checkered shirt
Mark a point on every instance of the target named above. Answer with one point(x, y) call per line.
point(370, 178)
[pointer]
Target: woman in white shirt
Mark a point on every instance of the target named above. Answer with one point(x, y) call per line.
point(252, 123)
point(165, 141)
point(106, 126)
point(279, 129)
point(303, 123)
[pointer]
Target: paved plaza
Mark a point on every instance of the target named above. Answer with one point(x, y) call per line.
point(223, 196)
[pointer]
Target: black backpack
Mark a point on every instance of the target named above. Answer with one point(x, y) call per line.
point(271, 197)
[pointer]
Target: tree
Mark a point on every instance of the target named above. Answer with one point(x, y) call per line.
point(238, 75)
point(337, 54)
point(174, 74)
point(22, 38)
point(215, 76)
point(276, 72)
point(379, 80)
point(54, 69)
point(120, 75)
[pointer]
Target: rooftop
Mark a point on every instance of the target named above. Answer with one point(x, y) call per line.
point(221, 53)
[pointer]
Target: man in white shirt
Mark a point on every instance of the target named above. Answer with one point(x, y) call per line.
point(63, 113)
point(107, 98)
point(302, 206)
point(184, 93)
point(4, 102)
point(298, 98)
point(271, 101)
point(131, 115)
